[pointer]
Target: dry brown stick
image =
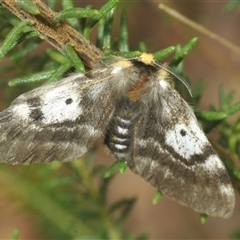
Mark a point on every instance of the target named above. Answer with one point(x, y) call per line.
point(200, 28)
point(57, 34)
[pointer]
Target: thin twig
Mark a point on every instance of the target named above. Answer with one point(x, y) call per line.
point(200, 28)
point(57, 34)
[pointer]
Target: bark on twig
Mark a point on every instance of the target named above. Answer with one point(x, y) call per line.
point(57, 34)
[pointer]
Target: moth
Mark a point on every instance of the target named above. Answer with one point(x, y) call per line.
point(143, 120)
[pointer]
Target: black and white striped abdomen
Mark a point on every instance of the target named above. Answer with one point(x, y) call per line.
point(121, 129)
point(118, 137)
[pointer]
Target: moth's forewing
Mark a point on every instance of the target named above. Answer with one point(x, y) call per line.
point(59, 121)
point(156, 132)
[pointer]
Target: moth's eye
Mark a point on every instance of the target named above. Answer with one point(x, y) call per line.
point(68, 101)
point(183, 132)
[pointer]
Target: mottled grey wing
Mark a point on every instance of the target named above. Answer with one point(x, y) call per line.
point(59, 121)
point(172, 153)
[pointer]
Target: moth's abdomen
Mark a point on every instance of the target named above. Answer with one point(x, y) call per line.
point(119, 135)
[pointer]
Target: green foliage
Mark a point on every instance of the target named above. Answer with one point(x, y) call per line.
point(73, 58)
point(157, 197)
point(235, 235)
point(182, 52)
point(15, 234)
point(93, 15)
point(28, 6)
point(66, 200)
point(118, 166)
point(232, 5)
point(65, 197)
point(12, 38)
point(203, 218)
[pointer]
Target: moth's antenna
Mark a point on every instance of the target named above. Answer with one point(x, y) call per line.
point(178, 77)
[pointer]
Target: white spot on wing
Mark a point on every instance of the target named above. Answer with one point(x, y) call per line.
point(55, 109)
point(191, 143)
